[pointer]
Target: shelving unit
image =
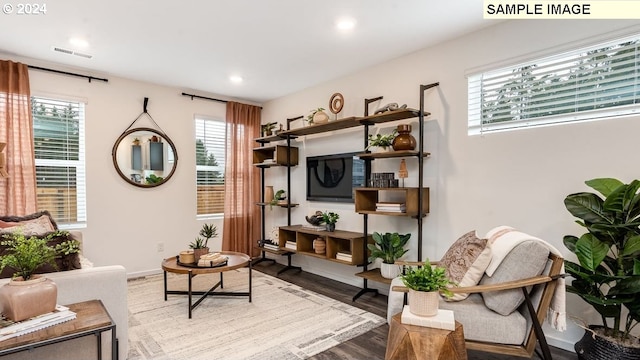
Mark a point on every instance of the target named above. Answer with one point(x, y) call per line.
point(415, 198)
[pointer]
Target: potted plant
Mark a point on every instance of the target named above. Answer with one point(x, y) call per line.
point(607, 274)
point(317, 116)
point(425, 283)
point(383, 142)
point(277, 198)
point(330, 219)
point(25, 255)
point(267, 129)
point(200, 245)
point(389, 247)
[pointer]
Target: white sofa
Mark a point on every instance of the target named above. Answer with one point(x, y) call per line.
point(105, 283)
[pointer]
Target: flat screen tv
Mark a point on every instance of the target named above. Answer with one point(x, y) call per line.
point(334, 177)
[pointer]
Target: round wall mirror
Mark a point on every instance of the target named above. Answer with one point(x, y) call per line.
point(144, 157)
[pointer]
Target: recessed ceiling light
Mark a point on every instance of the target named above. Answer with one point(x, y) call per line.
point(346, 24)
point(79, 42)
point(235, 79)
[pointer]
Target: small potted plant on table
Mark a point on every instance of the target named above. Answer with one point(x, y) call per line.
point(200, 246)
point(388, 247)
point(25, 255)
point(425, 283)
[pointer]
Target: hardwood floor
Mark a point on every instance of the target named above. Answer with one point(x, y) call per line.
point(371, 345)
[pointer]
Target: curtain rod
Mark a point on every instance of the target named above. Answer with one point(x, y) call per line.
point(67, 73)
point(192, 96)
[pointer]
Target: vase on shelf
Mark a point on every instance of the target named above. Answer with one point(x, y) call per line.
point(330, 227)
point(319, 245)
point(404, 140)
point(268, 194)
point(390, 271)
point(320, 117)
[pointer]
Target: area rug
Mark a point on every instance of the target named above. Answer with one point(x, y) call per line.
point(283, 321)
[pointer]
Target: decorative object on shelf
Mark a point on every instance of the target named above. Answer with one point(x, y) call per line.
point(27, 295)
point(390, 107)
point(425, 283)
point(389, 247)
point(278, 198)
point(382, 142)
point(317, 116)
point(267, 129)
point(330, 219)
point(280, 129)
point(403, 173)
point(187, 257)
point(384, 180)
point(605, 272)
point(268, 193)
point(336, 102)
point(319, 245)
point(404, 140)
point(136, 141)
point(315, 219)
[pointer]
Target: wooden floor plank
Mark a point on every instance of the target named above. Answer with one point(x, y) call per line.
point(370, 345)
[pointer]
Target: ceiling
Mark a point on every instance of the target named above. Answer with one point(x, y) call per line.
point(277, 46)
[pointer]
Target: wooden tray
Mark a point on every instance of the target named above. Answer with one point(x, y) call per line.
point(195, 265)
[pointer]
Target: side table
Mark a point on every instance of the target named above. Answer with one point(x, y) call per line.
point(411, 342)
point(91, 319)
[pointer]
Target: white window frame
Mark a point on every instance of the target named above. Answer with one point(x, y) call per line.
point(556, 67)
point(219, 153)
point(79, 165)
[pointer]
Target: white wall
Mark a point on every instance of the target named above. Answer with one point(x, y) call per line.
point(125, 223)
point(517, 178)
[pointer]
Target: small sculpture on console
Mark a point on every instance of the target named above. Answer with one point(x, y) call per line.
point(390, 107)
point(316, 219)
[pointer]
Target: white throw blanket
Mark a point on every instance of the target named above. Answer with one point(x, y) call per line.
point(503, 239)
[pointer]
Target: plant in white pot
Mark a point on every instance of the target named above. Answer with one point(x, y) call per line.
point(27, 295)
point(426, 283)
point(389, 247)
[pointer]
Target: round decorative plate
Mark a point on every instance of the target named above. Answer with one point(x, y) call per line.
point(336, 103)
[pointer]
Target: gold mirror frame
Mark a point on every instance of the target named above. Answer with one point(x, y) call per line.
point(144, 135)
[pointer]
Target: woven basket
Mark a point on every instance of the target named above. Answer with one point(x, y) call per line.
point(423, 303)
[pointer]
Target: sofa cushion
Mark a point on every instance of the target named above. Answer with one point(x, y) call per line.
point(34, 224)
point(482, 324)
point(525, 260)
point(466, 260)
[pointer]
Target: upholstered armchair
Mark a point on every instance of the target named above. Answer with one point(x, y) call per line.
point(504, 312)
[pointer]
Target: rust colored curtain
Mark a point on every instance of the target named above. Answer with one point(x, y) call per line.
point(242, 180)
point(18, 191)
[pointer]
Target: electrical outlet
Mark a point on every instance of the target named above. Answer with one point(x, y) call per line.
point(160, 247)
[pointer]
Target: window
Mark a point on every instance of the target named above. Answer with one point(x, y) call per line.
point(210, 158)
point(591, 83)
point(58, 131)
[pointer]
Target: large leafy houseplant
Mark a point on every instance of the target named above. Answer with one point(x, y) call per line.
point(389, 246)
point(607, 275)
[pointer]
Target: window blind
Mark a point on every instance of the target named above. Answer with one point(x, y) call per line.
point(58, 131)
point(210, 163)
point(597, 82)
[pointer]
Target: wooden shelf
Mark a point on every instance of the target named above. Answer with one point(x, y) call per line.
point(338, 240)
point(374, 275)
point(292, 205)
point(271, 251)
point(388, 116)
point(325, 127)
point(367, 197)
point(392, 154)
point(271, 138)
point(277, 153)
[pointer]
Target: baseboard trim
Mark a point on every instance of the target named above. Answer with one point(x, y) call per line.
point(138, 274)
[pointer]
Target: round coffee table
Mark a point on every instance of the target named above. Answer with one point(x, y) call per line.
point(235, 260)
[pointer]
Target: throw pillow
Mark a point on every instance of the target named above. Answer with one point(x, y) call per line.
point(465, 261)
point(34, 224)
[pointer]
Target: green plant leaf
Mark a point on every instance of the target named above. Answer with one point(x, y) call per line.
point(627, 286)
point(588, 207)
point(590, 251)
point(631, 246)
point(604, 186)
point(570, 242)
point(636, 267)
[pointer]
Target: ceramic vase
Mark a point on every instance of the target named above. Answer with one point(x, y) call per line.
point(199, 252)
point(21, 300)
point(404, 141)
point(423, 303)
point(389, 271)
point(319, 245)
point(320, 117)
point(330, 227)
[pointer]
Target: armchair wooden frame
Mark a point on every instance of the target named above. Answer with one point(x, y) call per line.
point(537, 315)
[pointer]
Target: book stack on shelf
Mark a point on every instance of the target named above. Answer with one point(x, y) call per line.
point(268, 244)
point(291, 245)
point(391, 207)
point(344, 256)
point(10, 329)
point(314, 227)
